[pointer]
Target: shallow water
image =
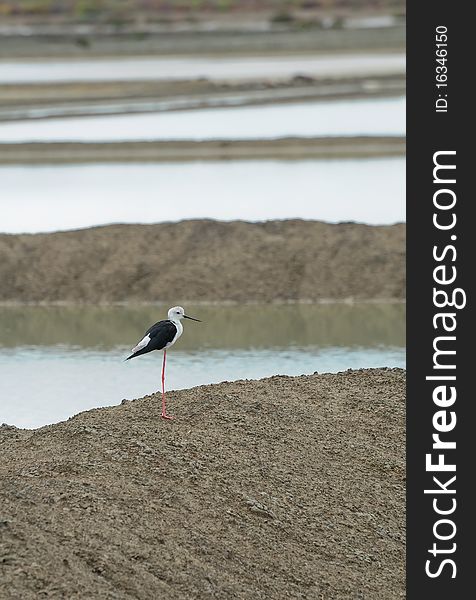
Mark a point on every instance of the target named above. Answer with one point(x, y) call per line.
point(49, 198)
point(381, 116)
point(55, 362)
point(253, 67)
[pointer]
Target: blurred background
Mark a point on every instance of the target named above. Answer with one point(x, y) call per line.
point(221, 131)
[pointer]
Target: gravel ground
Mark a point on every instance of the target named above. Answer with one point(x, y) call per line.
point(288, 487)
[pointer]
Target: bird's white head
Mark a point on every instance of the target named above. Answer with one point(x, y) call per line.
point(177, 313)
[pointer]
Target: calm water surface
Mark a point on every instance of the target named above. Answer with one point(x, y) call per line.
point(55, 362)
point(49, 198)
point(382, 116)
point(253, 67)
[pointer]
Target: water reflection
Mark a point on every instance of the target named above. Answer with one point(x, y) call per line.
point(55, 362)
point(384, 116)
point(246, 327)
point(226, 67)
point(50, 198)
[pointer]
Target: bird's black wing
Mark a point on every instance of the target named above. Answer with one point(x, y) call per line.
point(155, 338)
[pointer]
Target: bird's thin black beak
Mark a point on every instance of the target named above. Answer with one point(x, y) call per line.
point(191, 318)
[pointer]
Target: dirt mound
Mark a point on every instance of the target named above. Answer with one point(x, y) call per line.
point(205, 260)
point(288, 487)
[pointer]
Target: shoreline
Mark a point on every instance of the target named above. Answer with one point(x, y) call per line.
point(188, 150)
point(40, 101)
point(132, 304)
point(278, 40)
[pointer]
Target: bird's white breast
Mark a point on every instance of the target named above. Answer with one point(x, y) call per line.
point(179, 327)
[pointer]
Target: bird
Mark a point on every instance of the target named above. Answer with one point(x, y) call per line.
point(161, 336)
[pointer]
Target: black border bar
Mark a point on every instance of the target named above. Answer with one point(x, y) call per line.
point(440, 128)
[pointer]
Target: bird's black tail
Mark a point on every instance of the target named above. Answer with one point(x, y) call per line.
point(138, 353)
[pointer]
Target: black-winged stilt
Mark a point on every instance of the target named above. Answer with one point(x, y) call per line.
point(159, 337)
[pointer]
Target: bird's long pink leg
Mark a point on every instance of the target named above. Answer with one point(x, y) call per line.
point(164, 412)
